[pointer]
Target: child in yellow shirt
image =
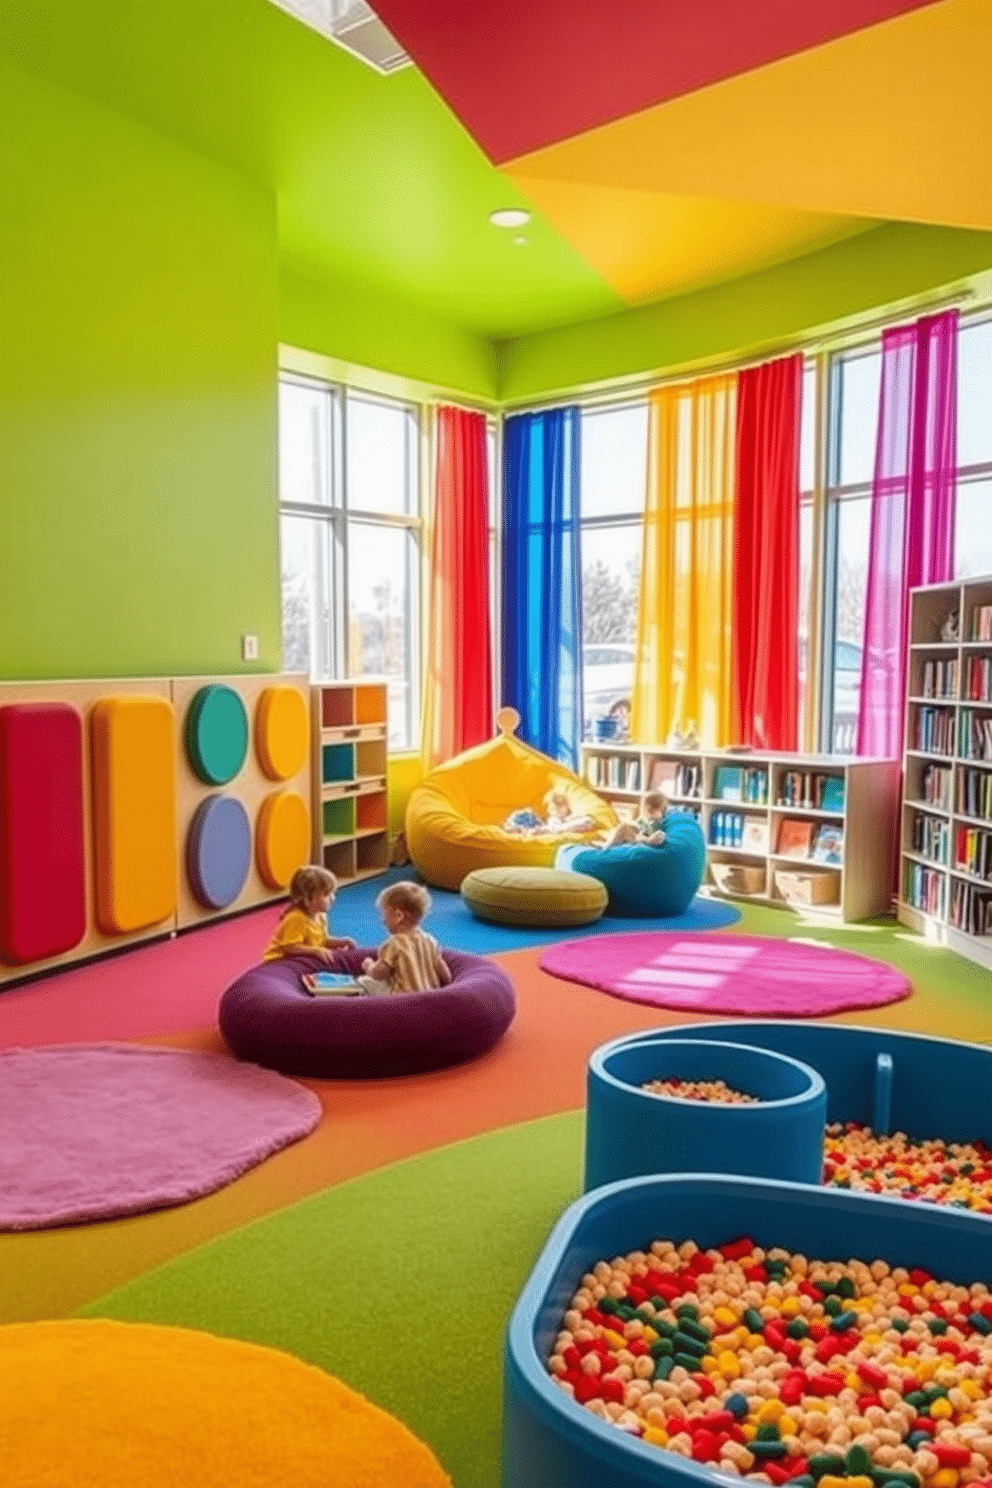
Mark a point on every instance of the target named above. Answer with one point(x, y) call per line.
point(302, 927)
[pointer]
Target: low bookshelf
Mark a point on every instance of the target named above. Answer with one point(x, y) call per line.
point(350, 730)
point(945, 877)
point(800, 830)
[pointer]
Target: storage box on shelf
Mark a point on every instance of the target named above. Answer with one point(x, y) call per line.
point(809, 830)
point(945, 876)
point(350, 730)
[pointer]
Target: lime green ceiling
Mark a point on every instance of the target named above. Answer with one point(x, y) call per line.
point(378, 186)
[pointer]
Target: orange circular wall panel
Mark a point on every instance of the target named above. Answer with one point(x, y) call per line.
point(134, 812)
point(282, 732)
point(282, 837)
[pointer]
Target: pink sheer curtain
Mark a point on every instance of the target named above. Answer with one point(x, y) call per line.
point(912, 511)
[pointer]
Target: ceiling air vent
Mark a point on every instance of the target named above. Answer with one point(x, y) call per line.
point(353, 25)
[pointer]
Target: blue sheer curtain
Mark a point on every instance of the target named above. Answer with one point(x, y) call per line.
point(541, 590)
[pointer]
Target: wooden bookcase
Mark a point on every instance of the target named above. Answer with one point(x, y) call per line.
point(742, 835)
point(350, 729)
point(945, 866)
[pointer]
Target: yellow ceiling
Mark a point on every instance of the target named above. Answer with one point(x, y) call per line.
point(891, 122)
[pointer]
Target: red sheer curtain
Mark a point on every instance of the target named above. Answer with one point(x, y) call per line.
point(457, 674)
point(765, 660)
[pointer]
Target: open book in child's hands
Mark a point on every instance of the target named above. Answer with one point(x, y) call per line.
point(330, 984)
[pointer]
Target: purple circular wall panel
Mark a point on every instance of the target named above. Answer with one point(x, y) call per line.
point(218, 851)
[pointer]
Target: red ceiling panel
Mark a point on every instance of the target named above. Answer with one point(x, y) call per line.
point(524, 75)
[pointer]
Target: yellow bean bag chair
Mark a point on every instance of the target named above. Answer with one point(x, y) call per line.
point(454, 816)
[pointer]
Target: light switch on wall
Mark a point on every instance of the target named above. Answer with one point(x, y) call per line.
point(249, 648)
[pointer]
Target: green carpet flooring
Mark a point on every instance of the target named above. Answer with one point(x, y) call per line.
point(399, 1283)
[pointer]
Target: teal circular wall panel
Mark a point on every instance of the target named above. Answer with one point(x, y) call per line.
point(216, 734)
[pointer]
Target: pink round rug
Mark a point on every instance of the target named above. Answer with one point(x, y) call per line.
point(93, 1131)
point(746, 975)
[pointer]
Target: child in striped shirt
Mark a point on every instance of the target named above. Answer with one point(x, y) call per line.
point(410, 960)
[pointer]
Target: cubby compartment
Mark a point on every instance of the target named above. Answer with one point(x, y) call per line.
point(371, 812)
point(370, 759)
point(339, 857)
point(372, 854)
point(337, 763)
point(336, 707)
point(370, 703)
point(338, 817)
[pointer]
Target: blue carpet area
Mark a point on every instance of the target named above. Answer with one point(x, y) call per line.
point(454, 926)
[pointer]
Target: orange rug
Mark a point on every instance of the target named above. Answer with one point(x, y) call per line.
point(110, 1405)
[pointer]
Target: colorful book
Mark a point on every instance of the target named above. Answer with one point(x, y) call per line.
point(833, 793)
point(331, 984)
point(755, 836)
point(728, 783)
point(794, 837)
point(828, 845)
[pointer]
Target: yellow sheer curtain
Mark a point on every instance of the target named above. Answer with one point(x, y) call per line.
point(682, 674)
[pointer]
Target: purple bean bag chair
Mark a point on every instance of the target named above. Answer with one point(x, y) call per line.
point(265, 1016)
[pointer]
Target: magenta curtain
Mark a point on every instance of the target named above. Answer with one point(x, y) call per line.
point(912, 511)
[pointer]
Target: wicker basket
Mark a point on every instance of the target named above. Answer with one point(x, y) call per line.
point(742, 879)
point(809, 886)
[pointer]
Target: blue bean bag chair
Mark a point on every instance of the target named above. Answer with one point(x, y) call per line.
point(646, 882)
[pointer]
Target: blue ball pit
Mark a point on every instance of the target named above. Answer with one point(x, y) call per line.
point(551, 1442)
point(631, 1131)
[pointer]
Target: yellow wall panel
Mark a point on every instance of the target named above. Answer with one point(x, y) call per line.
point(134, 812)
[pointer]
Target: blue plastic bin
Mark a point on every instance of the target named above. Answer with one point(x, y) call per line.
point(925, 1087)
point(551, 1442)
point(631, 1132)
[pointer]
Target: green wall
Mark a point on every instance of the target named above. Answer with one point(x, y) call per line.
point(389, 336)
point(141, 309)
point(766, 311)
point(138, 321)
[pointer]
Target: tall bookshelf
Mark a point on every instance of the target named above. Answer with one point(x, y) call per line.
point(750, 805)
point(945, 867)
point(349, 733)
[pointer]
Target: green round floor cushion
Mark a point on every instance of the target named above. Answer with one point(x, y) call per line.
point(533, 896)
point(645, 882)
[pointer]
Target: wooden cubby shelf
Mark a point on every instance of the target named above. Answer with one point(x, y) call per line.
point(349, 768)
point(945, 859)
point(800, 830)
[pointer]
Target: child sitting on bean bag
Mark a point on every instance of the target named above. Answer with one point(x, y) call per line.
point(647, 827)
point(561, 818)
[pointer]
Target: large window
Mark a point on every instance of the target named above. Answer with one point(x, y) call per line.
point(973, 518)
point(350, 530)
point(853, 392)
point(611, 503)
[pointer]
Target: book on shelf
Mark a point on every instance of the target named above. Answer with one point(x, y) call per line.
point(981, 623)
point(974, 793)
point(828, 845)
point(812, 789)
point(728, 783)
point(832, 795)
point(795, 837)
point(331, 984)
point(979, 688)
point(930, 836)
point(940, 679)
point(971, 909)
point(934, 733)
point(975, 738)
point(726, 828)
point(755, 835)
point(673, 777)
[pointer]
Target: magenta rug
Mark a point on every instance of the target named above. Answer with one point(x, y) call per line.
point(750, 976)
point(94, 1131)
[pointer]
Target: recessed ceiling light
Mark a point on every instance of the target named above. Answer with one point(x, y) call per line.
point(509, 217)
